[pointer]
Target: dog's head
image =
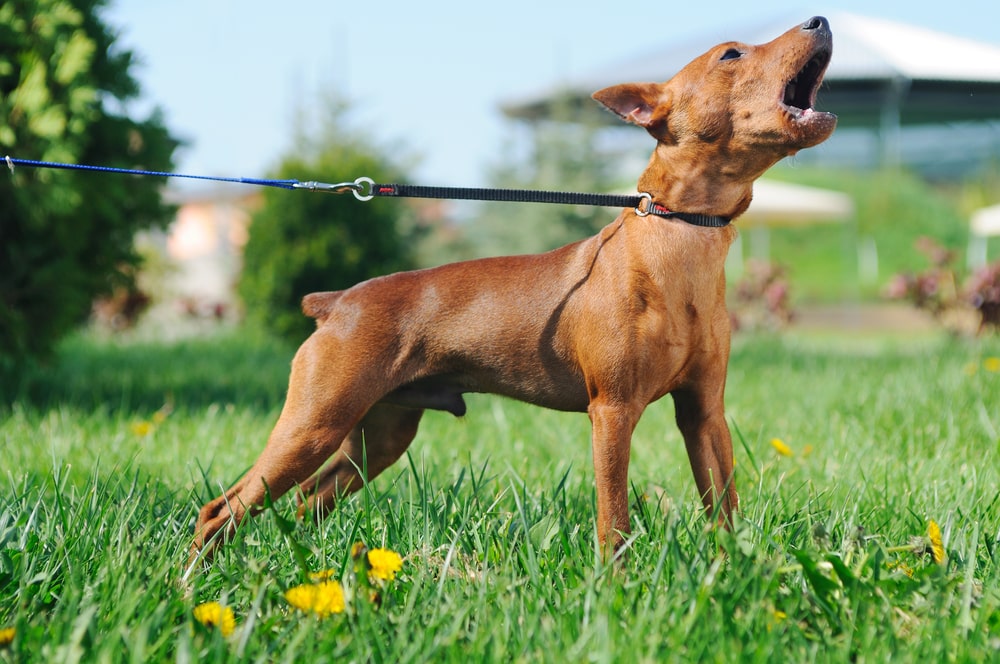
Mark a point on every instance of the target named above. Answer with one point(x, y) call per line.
point(751, 103)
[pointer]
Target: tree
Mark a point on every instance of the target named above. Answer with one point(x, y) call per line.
point(564, 155)
point(302, 242)
point(66, 237)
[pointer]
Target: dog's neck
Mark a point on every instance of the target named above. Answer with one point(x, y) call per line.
point(683, 183)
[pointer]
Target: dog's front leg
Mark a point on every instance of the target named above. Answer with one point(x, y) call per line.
point(702, 422)
point(611, 440)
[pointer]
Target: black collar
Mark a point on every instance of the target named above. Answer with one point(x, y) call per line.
point(703, 220)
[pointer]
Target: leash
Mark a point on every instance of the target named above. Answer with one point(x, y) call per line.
point(364, 189)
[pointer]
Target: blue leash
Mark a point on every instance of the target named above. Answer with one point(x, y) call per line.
point(11, 162)
point(283, 184)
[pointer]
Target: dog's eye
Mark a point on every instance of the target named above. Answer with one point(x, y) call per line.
point(731, 54)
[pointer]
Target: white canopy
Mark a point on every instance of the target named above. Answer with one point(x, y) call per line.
point(868, 47)
point(783, 204)
point(986, 221)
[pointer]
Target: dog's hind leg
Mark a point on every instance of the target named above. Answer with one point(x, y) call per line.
point(322, 407)
point(383, 434)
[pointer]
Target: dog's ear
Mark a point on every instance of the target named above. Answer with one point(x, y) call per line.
point(644, 104)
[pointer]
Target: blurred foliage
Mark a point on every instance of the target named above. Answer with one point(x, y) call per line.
point(934, 289)
point(761, 298)
point(306, 242)
point(560, 156)
point(938, 290)
point(893, 208)
point(982, 291)
point(66, 237)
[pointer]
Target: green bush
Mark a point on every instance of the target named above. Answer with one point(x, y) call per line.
point(302, 242)
point(66, 237)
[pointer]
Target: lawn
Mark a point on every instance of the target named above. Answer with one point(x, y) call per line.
point(849, 453)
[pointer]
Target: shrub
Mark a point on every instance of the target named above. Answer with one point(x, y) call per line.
point(933, 289)
point(302, 242)
point(936, 290)
point(761, 298)
point(983, 292)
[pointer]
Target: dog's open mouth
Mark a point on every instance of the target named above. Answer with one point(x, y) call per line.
point(799, 95)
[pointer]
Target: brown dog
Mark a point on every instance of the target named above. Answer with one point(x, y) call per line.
point(606, 325)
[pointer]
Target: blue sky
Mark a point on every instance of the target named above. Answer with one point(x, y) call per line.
point(423, 77)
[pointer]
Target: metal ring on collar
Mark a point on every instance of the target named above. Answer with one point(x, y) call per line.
point(643, 196)
point(363, 190)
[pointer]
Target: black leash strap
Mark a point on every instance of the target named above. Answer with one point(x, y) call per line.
point(539, 196)
point(505, 195)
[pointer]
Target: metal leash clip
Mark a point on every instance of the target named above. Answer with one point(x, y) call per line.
point(361, 188)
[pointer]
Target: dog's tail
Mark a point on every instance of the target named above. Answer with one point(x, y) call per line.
point(319, 305)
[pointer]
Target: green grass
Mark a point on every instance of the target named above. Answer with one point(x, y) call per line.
point(891, 208)
point(494, 517)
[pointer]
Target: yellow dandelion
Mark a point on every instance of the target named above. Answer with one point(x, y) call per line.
point(329, 598)
point(384, 564)
point(900, 566)
point(7, 635)
point(322, 598)
point(781, 448)
point(937, 547)
point(302, 597)
point(992, 364)
point(970, 369)
point(777, 617)
point(142, 429)
point(213, 614)
point(324, 575)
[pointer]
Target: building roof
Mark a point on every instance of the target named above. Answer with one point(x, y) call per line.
point(932, 77)
point(876, 48)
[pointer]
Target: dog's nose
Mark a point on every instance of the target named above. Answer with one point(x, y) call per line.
point(817, 23)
